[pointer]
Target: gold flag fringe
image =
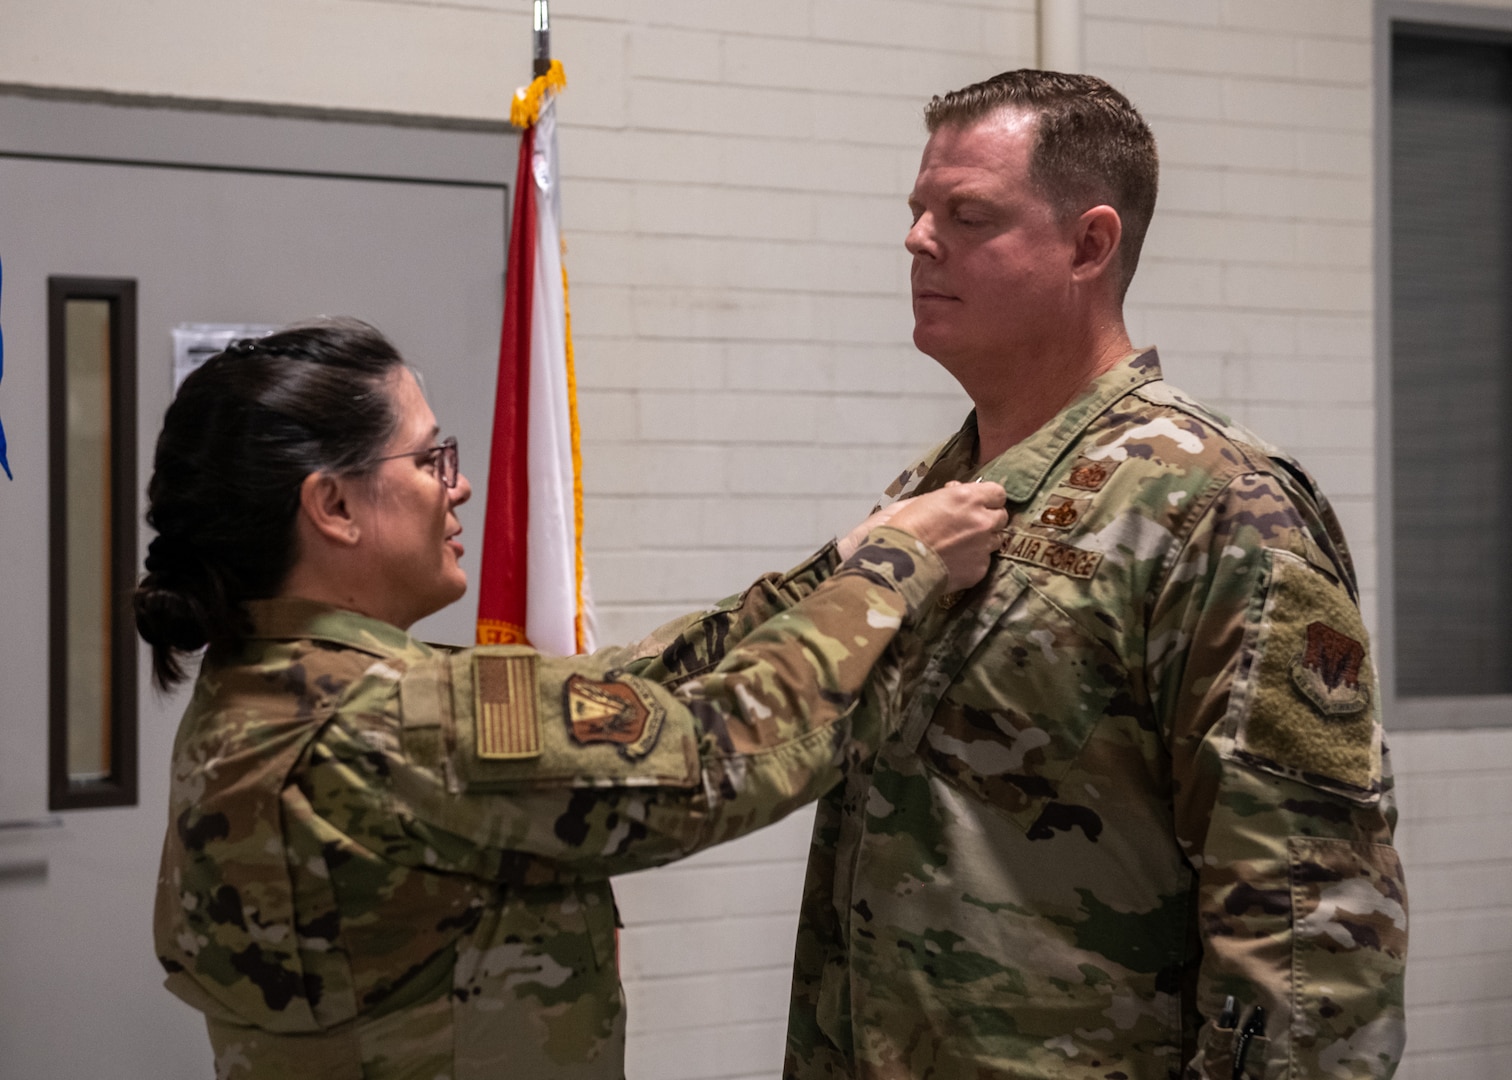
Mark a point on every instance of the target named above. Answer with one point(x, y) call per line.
point(525, 108)
point(580, 619)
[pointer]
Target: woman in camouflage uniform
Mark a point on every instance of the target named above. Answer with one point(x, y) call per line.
point(390, 860)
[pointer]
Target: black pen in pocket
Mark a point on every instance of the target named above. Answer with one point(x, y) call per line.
point(1254, 1026)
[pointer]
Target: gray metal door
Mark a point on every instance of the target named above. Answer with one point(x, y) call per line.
point(218, 218)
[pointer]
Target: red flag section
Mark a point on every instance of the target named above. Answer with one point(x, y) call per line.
point(503, 576)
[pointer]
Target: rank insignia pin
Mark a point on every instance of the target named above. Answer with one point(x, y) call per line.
point(1090, 474)
point(1062, 513)
point(1060, 516)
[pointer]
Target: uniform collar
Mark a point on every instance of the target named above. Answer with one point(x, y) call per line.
point(286, 618)
point(1022, 468)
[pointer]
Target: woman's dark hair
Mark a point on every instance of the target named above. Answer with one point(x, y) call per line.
point(237, 442)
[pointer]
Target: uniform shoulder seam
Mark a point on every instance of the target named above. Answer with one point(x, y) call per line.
point(1254, 451)
point(1203, 505)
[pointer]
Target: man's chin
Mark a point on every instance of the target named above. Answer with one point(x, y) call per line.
point(932, 340)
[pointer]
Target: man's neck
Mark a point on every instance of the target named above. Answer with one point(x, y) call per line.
point(1026, 392)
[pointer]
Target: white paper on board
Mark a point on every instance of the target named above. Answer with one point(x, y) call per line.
point(194, 343)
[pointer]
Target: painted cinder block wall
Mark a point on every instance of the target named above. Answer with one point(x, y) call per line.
point(735, 177)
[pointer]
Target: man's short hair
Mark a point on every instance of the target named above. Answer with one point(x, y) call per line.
point(1093, 147)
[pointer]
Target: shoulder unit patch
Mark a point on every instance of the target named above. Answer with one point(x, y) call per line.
point(1328, 671)
point(611, 712)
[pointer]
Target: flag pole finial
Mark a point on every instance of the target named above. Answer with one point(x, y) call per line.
point(542, 38)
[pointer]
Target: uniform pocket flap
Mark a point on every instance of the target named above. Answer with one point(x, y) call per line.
point(993, 734)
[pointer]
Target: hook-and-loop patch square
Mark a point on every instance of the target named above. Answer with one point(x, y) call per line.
point(507, 721)
point(1303, 705)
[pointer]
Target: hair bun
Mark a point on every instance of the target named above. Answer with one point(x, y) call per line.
point(168, 618)
point(166, 556)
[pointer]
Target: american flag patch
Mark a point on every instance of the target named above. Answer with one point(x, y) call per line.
point(506, 725)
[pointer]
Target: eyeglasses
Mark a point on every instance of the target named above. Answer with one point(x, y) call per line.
point(442, 458)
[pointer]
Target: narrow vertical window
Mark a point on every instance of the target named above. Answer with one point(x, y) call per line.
point(1451, 368)
point(92, 540)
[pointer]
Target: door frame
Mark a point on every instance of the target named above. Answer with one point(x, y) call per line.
point(99, 127)
point(135, 129)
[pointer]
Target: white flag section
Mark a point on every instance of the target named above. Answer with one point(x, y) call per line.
point(556, 595)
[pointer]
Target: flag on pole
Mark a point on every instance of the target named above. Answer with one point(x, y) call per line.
point(531, 585)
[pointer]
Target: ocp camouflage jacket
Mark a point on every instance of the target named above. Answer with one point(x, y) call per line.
point(387, 860)
point(1137, 770)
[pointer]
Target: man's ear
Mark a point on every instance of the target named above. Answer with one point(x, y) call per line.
point(1098, 232)
point(325, 502)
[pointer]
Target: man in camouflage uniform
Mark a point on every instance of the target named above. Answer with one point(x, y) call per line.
point(1134, 820)
point(385, 860)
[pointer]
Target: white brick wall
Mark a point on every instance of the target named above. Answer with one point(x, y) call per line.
point(708, 947)
point(1257, 277)
point(759, 345)
point(734, 182)
point(1456, 801)
point(745, 328)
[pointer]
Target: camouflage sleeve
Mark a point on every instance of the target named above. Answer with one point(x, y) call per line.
point(695, 644)
point(501, 763)
point(1262, 678)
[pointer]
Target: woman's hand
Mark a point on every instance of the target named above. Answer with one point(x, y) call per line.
point(847, 544)
point(962, 523)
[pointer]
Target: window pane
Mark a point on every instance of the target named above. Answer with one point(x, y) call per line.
point(92, 532)
point(1451, 207)
point(86, 349)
